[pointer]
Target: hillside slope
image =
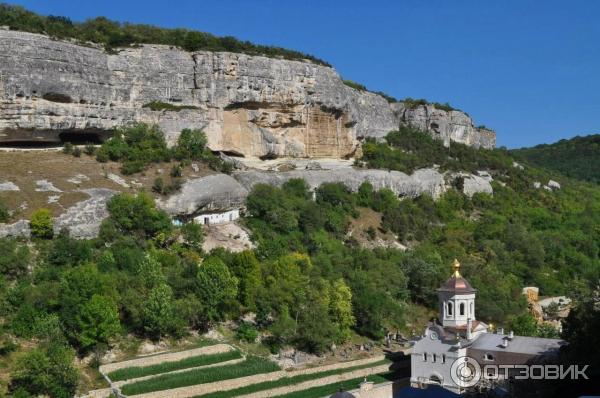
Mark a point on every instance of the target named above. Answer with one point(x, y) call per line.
point(578, 157)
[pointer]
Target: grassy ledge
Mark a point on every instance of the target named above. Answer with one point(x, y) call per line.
point(191, 362)
point(251, 366)
point(287, 381)
point(164, 106)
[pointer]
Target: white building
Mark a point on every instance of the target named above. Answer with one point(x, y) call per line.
point(217, 218)
point(460, 336)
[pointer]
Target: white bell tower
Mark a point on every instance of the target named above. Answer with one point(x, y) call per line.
point(457, 300)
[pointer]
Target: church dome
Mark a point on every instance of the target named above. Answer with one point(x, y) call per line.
point(456, 283)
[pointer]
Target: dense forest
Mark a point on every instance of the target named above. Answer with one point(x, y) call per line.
point(578, 157)
point(309, 282)
point(112, 34)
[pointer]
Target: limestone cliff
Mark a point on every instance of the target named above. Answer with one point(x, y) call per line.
point(248, 105)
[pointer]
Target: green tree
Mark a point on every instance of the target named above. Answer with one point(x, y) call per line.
point(193, 234)
point(139, 215)
point(523, 325)
point(246, 268)
point(340, 308)
point(191, 144)
point(41, 223)
point(159, 312)
point(46, 371)
point(215, 287)
point(77, 288)
point(97, 321)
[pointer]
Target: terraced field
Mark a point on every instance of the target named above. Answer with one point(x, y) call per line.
point(221, 371)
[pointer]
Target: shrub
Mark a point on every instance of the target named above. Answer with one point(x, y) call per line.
point(246, 332)
point(159, 186)
point(89, 149)
point(138, 215)
point(77, 152)
point(193, 234)
point(136, 147)
point(67, 148)
point(191, 144)
point(4, 213)
point(41, 223)
point(176, 171)
point(354, 85)
point(164, 106)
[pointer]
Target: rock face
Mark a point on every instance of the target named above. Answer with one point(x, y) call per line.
point(424, 181)
point(83, 220)
point(448, 126)
point(248, 105)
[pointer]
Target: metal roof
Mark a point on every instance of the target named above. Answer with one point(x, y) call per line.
point(518, 344)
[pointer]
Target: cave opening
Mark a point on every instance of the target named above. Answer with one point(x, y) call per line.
point(45, 139)
point(81, 138)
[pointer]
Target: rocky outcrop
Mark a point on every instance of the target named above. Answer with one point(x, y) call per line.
point(19, 229)
point(472, 184)
point(247, 105)
point(217, 192)
point(83, 219)
point(448, 126)
point(424, 181)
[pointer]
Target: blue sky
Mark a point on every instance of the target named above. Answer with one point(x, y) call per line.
point(528, 69)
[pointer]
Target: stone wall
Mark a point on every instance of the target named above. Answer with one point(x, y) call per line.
point(248, 105)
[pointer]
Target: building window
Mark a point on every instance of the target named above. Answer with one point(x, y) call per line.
point(449, 308)
point(434, 357)
point(488, 357)
point(462, 308)
point(425, 357)
point(443, 358)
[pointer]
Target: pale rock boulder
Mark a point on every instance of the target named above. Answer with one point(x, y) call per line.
point(83, 219)
point(217, 192)
point(19, 229)
point(6, 186)
point(553, 185)
point(472, 184)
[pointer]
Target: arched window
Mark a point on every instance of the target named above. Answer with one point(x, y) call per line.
point(488, 357)
point(443, 358)
point(462, 308)
point(425, 356)
point(449, 308)
point(434, 357)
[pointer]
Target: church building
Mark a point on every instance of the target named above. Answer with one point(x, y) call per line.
point(458, 336)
